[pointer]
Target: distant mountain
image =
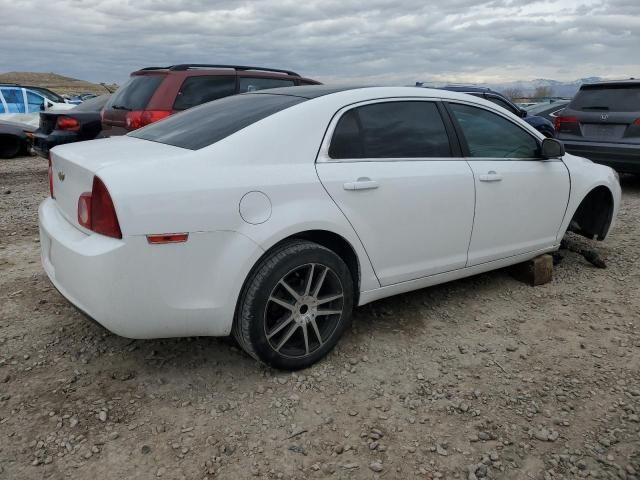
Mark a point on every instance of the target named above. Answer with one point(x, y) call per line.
point(558, 88)
point(58, 83)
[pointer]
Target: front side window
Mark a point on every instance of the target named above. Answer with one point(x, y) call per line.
point(489, 135)
point(248, 84)
point(14, 99)
point(411, 129)
point(35, 102)
point(202, 89)
point(501, 103)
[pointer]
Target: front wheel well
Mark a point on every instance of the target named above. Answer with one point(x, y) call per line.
point(593, 217)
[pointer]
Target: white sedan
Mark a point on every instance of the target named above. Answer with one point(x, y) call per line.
point(271, 215)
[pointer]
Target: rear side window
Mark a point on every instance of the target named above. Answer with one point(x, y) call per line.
point(604, 98)
point(13, 98)
point(135, 93)
point(391, 130)
point(248, 84)
point(489, 135)
point(202, 89)
point(209, 123)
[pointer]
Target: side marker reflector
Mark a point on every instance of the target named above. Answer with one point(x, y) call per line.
point(167, 238)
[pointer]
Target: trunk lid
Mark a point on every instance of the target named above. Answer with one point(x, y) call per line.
point(606, 126)
point(48, 122)
point(75, 165)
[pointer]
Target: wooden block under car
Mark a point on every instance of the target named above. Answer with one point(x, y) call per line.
point(537, 271)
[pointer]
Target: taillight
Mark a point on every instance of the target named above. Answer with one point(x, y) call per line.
point(637, 122)
point(140, 118)
point(565, 124)
point(84, 210)
point(50, 171)
point(96, 211)
point(67, 123)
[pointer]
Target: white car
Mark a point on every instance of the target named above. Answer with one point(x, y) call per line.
point(271, 214)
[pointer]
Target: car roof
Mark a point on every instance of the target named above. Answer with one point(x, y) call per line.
point(612, 83)
point(467, 88)
point(210, 66)
point(306, 91)
point(345, 94)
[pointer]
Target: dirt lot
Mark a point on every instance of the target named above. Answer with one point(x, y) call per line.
point(484, 377)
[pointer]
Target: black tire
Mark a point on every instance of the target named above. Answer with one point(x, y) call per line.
point(256, 305)
point(10, 146)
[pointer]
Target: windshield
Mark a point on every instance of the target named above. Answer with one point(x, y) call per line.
point(93, 104)
point(209, 123)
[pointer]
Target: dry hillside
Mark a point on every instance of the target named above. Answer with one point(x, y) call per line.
point(57, 83)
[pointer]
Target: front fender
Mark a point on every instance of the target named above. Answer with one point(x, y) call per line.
point(585, 176)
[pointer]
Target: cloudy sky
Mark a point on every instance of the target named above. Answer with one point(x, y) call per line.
point(367, 41)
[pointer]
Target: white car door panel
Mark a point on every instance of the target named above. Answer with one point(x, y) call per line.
point(389, 168)
point(520, 198)
point(519, 206)
point(414, 218)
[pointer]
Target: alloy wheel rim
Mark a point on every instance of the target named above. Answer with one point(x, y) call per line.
point(303, 310)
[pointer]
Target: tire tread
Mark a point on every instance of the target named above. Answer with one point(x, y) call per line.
point(259, 274)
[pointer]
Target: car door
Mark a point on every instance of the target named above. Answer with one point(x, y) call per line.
point(520, 198)
point(14, 99)
point(389, 165)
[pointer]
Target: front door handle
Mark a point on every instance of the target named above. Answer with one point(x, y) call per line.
point(363, 183)
point(491, 176)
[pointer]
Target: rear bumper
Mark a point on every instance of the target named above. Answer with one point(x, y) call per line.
point(621, 157)
point(112, 131)
point(43, 142)
point(138, 290)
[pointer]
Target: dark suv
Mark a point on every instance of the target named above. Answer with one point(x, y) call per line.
point(154, 93)
point(539, 123)
point(602, 123)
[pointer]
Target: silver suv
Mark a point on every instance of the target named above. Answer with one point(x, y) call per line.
point(602, 123)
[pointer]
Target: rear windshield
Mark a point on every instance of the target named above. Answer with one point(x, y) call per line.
point(209, 123)
point(614, 98)
point(135, 93)
point(93, 104)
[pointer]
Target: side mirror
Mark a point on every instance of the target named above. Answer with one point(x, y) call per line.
point(523, 113)
point(552, 148)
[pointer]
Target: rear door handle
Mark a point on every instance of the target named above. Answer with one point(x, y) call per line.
point(363, 183)
point(490, 176)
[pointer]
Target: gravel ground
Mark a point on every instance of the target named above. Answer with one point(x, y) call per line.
point(483, 377)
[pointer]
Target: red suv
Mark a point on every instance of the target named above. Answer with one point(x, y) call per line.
point(154, 93)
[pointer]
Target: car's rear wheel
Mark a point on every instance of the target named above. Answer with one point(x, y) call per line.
point(295, 305)
point(10, 146)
